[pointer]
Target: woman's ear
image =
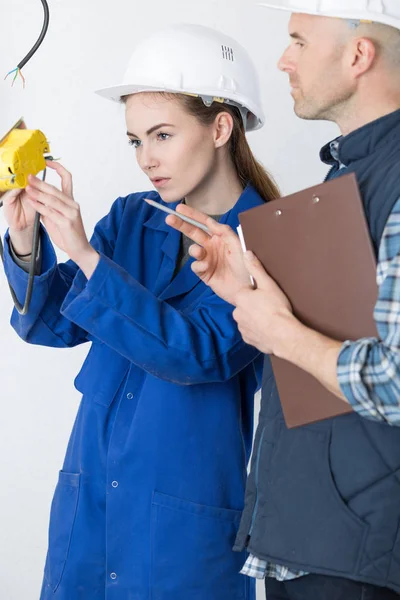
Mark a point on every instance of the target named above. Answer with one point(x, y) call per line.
point(223, 126)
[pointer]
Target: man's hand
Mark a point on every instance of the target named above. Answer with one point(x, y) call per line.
point(219, 257)
point(262, 313)
point(266, 321)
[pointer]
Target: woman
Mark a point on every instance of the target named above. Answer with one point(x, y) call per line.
point(151, 490)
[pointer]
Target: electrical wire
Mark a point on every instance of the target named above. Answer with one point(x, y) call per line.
point(31, 52)
point(17, 72)
point(23, 308)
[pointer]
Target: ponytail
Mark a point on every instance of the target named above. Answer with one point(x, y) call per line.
point(248, 168)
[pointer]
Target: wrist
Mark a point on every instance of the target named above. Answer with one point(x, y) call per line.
point(87, 261)
point(233, 297)
point(21, 242)
point(290, 334)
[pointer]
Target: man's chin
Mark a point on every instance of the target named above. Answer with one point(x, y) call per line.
point(299, 112)
point(304, 112)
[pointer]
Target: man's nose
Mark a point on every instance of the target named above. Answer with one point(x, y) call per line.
point(285, 63)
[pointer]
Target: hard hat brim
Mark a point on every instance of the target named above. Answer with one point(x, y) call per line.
point(344, 14)
point(116, 92)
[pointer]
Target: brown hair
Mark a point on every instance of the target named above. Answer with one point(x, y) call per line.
point(248, 168)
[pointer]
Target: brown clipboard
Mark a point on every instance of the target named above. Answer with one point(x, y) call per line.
point(315, 244)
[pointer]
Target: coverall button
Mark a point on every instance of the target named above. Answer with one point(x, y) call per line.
point(129, 396)
point(114, 484)
point(113, 575)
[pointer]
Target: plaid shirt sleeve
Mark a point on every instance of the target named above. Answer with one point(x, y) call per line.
point(369, 369)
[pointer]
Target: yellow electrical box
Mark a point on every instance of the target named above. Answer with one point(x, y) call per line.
point(21, 154)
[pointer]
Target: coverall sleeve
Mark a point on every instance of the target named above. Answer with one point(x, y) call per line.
point(185, 347)
point(44, 324)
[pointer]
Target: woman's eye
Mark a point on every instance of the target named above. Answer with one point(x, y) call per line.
point(163, 136)
point(134, 143)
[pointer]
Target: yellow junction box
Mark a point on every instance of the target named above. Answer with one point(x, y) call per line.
point(21, 154)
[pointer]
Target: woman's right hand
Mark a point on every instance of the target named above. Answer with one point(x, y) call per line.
point(218, 258)
point(20, 216)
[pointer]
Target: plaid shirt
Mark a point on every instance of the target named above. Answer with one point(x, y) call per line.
point(369, 369)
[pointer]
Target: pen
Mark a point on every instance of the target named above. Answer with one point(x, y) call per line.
point(183, 217)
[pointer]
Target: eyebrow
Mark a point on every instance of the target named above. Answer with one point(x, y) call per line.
point(297, 36)
point(152, 129)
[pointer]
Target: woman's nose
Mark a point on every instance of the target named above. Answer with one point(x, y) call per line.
point(147, 160)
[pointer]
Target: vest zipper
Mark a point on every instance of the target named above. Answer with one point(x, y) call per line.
point(253, 518)
point(327, 176)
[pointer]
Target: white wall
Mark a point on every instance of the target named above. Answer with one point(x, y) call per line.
point(86, 48)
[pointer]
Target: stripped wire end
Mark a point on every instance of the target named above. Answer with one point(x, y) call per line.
point(17, 72)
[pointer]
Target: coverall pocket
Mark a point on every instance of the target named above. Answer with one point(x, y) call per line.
point(62, 518)
point(191, 552)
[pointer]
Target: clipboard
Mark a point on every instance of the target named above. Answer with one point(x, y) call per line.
point(316, 245)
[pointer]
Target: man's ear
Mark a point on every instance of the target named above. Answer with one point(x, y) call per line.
point(364, 53)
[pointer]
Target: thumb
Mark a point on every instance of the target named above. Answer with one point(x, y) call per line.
point(10, 196)
point(255, 269)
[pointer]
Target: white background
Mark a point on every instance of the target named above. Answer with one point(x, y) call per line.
point(86, 48)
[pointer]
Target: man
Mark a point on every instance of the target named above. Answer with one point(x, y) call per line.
point(322, 510)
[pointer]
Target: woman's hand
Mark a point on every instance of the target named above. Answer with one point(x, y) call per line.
point(18, 211)
point(20, 216)
point(62, 218)
point(219, 257)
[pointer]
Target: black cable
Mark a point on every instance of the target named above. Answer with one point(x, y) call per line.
point(23, 308)
point(41, 36)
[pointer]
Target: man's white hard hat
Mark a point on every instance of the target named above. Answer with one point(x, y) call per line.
point(378, 11)
point(198, 61)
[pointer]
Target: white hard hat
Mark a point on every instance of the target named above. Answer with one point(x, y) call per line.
point(194, 60)
point(378, 11)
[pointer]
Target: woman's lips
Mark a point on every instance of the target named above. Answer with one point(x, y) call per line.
point(160, 181)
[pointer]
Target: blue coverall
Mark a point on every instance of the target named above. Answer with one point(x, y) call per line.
point(149, 499)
